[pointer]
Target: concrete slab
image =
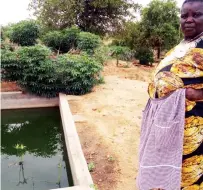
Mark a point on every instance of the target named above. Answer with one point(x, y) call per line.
point(17, 100)
point(13, 92)
point(75, 188)
point(78, 164)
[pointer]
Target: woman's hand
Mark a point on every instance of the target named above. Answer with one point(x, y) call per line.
point(193, 94)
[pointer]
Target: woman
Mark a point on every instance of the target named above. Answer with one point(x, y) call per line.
point(183, 69)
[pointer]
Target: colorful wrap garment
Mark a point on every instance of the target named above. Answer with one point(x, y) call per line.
point(183, 68)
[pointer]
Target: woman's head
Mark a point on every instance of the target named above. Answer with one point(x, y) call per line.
point(192, 18)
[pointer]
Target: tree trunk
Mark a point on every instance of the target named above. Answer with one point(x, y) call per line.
point(117, 61)
point(158, 52)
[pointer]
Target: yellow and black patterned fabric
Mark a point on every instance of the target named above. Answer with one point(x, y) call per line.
point(183, 68)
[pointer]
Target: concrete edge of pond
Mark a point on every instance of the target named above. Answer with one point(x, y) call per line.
point(11, 92)
point(75, 188)
point(80, 173)
point(18, 100)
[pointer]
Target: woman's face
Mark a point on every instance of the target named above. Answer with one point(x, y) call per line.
point(192, 19)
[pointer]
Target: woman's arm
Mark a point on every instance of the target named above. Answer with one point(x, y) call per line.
point(193, 94)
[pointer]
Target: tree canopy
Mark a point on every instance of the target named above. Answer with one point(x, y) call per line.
point(90, 15)
point(160, 24)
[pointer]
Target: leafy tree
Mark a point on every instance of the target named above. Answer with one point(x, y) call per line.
point(90, 15)
point(160, 24)
point(55, 14)
point(62, 41)
point(24, 33)
point(144, 55)
point(121, 52)
point(104, 16)
point(88, 42)
point(130, 35)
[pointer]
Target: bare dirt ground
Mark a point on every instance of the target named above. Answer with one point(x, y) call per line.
point(110, 137)
point(9, 87)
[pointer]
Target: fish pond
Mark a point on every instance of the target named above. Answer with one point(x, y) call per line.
point(33, 152)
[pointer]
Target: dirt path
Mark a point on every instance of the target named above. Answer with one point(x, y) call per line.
point(110, 137)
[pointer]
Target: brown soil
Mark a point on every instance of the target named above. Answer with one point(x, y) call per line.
point(9, 87)
point(128, 70)
point(110, 137)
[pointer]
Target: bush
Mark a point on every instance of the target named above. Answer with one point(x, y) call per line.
point(121, 53)
point(11, 70)
point(6, 45)
point(144, 55)
point(70, 36)
point(53, 39)
point(88, 42)
point(7, 30)
point(117, 42)
point(102, 54)
point(43, 75)
point(61, 41)
point(38, 71)
point(78, 73)
point(25, 33)
point(2, 35)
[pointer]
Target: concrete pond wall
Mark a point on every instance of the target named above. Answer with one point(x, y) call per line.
point(81, 177)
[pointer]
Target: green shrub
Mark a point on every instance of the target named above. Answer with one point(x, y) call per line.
point(2, 35)
point(94, 187)
point(61, 41)
point(41, 74)
point(38, 71)
point(91, 166)
point(121, 53)
point(7, 30)
point(6, 45)
point(117, 42)
point(88, 42)
point(31, 67)
point(53, 39)
point(70, 36)
point(78, 73)
point(10, 67)
point(102, 54)
point(25, 33)
point(144, 55)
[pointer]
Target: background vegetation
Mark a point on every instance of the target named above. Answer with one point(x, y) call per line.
point(63, 50)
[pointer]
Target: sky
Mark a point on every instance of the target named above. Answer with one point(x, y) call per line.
point(12, 11)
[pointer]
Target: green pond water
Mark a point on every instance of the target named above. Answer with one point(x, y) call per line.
point(33, 153)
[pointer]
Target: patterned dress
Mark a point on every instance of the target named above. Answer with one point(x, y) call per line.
point(183, 68)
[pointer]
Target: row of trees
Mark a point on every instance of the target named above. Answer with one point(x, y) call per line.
point(157, 29)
